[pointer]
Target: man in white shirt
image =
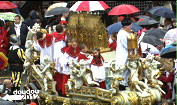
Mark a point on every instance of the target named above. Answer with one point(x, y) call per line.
point(20, 30)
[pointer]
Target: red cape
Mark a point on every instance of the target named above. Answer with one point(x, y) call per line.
point(82, 56)
point(63, 50)
point(70, 51)
point(99, 61)
point(4, 41)
point(113, 45)
point(58, 37)
point(47, 41)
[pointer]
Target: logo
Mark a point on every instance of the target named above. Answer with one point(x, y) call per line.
point(23, 95)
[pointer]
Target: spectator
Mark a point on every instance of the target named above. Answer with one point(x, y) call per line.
point(8, 84)
point(165, 87)
point(4, 43)
point(168, 24)
point(113, 41)
point(17, 4)
point(32, 19)
point(20, 30)
point(64, 24)
point(64, 16)
point(16, 59)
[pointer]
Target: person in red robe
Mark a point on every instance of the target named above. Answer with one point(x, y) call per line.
point(71, 53)
point(83, 53)
point(59, 44)
point(84, 56)
point(112, 44)
point(64, 23)
point(165, 87)
point(44, 44)
point(68, 43)
point(4, 42)
point(98, 70)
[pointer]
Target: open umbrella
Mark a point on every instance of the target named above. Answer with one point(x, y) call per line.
point(89, 6)
point(146, 20)
point(57, 11)
point(7, 5)
point(9, 16)
point(158, 33)
point(62, 4)
point(152, 40)
point(123, 9)
point(117, 26)
point(169, 52)
point(162, 11)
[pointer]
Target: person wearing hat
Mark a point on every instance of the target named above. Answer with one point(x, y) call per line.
point(122, 48)
point(64, 23)
point(16, 59)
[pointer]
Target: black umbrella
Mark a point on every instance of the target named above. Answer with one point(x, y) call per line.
point(152, 40)
point(146, 20)
point(57, 11)
point(169, 52)
point(162, 11)
point(158, 33)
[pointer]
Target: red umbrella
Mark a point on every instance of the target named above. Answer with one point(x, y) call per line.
point(7, 5)
point(123, 9)
point(89, 6)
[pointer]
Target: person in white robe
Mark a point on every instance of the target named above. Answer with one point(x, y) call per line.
point(71, 53)
point(122, 48)
point(44, 44)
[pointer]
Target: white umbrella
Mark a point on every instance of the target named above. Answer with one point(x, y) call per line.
point(89, 6)
point(61, 4)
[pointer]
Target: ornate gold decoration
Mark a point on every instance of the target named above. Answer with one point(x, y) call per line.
point(152, 97)
point(48, 100)
point(66, 101)
point(92, 33)
point(146, 101)
point(133, 98)
point(118, 100)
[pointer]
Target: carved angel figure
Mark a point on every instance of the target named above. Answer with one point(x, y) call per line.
point(47, 75)
point(154, 75)
point(115, 75)
point(134, 82)
point(32, 32)
point(28, 54)
point(79, 75)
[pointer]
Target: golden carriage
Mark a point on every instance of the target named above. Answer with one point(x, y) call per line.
point(87, 28)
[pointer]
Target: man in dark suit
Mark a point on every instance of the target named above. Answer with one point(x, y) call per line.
point(20, 30)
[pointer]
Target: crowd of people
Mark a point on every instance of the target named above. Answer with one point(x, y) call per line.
point(54, 42)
